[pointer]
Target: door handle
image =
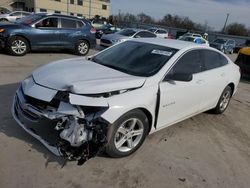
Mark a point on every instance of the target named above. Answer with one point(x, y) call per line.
point(200, 81)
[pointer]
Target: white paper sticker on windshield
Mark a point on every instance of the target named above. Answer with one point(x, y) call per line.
point(162, 52)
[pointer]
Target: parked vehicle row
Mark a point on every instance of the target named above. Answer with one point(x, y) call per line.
point(224, 45)
point(197, 40)
point(125, 34)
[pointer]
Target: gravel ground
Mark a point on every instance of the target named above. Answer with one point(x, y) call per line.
point(203, 151)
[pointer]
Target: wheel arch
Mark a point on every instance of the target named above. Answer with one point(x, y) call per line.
point(149, 116)
point(232, 86)
point(85, 39)
point(20, 35)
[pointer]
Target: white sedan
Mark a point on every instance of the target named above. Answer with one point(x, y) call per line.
point(114, 99)
point(197, 40)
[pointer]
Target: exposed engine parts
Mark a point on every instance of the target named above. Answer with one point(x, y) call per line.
point(72, 131)
point(90, 140)
point(80, 139)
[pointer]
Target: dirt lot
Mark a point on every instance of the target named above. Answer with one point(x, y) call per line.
point(203, 151)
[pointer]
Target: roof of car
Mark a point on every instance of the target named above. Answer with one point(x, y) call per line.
point(176, 44)
point(59, 15)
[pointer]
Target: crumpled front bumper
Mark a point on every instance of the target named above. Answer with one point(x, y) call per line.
point(40, 128)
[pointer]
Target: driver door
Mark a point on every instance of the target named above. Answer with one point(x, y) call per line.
point(46, 33)
point(180, 99)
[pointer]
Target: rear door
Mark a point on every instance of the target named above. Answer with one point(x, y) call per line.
point(70, 31)
point(46, 33)
point(214, 77)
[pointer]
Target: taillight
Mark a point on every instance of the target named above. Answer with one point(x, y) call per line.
point(93, 30)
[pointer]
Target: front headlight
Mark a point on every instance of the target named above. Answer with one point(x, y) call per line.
point(2, 30)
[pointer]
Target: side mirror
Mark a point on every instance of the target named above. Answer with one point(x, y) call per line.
point(183, 77)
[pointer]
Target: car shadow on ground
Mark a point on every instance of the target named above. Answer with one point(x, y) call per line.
point(10, 128)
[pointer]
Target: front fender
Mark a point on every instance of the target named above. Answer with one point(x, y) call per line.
point(144, 97)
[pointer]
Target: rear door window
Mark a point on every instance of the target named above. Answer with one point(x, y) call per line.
point(68, 23)
point(213, 59)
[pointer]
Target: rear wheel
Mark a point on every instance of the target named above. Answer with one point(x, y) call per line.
point(223, 101)
point(82, 47)
point(18, 46)
point(127, 134)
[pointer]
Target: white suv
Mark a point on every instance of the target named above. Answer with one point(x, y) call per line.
point(114, 99)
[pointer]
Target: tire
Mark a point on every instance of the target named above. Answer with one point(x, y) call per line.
point(82, 47)
point(223, 101)
point(121, 140)
point(18, 46)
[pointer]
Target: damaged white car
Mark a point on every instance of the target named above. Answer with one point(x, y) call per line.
point(113, 100)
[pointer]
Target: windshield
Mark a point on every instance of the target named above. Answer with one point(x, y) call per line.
point(135, 58)
point(28, 20)
point(220, 41)
point(126, 32)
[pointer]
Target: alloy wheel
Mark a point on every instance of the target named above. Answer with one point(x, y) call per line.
point(19, 47)
point(129, 135)
point(83, 48)
point(225, 100)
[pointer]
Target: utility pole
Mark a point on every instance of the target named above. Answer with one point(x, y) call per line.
point(119, 16)
point(90, 9)
point(223, 30)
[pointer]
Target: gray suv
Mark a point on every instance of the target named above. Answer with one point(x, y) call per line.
point(13, 16)
point(224, 45)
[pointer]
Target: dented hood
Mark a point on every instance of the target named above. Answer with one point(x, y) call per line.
point(81, 76)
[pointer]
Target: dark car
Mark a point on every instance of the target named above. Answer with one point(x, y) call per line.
point(242, 45)
point(243, 61)
point(106, 29)
point(44, 31)
point(224, 45)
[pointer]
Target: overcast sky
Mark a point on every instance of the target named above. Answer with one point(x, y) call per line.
point(212, 11)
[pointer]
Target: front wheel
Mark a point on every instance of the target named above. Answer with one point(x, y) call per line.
point(18, 46)
point(127, 134)
point(82, 47)
point(223, 101)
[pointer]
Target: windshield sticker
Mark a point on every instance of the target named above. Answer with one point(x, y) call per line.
point(162, 52)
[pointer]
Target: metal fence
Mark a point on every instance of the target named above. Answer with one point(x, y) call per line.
point(174, 31)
